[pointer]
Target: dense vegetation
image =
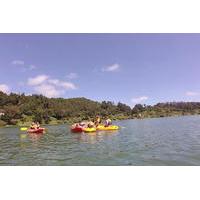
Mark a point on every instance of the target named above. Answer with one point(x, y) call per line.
point(18, 109)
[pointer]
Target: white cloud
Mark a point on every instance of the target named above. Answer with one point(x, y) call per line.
point(139, 99)
point(190, 93)
point(42, 84)
point(37, 80)
point(72, 75)
point(68, 85)
point(48, 90)
point(111, 68)
point(63, 84)
point(17, 62)
point(54, 81)
point(4, 88)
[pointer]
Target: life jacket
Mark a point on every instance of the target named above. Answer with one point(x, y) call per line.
point(98, 120)
point(108, 122)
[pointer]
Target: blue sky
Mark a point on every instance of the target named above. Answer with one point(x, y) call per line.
point(131, 68)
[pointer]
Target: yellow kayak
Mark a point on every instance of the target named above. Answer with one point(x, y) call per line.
point(109, 128)
point(88, 130)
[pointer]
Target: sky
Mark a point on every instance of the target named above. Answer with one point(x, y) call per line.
point(127, 68)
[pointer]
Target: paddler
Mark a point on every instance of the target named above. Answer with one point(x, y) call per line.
point(91, 124)
point(82, 124)
point(38, 125)
point(33, 125)
point(97, 121)
point(75, 125)
point(79, 125)
point(108, 122)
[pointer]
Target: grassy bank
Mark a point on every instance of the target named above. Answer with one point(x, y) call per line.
point(114, 118)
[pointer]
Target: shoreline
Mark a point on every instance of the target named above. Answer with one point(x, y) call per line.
point(128, 118)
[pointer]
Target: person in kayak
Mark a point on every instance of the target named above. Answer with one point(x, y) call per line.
point(33, 126)
point(82, 124)
point(97, 121)
point(38, 125)
point(75, 125)
point(79, 125)
point(108, 122)
point(91, 124)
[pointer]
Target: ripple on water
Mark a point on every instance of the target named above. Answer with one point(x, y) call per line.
point(166, 141)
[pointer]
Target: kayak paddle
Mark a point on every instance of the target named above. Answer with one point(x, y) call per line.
point(23, 129)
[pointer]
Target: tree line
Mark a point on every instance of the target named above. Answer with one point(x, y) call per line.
point(19, 109)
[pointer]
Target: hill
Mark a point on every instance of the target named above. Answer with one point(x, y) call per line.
point(18, 109)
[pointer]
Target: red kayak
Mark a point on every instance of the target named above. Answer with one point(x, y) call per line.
point(36, 131)
point(77, 129)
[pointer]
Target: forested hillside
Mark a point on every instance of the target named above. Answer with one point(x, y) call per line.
point(18, 109)
point(21, 109)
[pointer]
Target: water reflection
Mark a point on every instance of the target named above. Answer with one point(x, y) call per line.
point(93, 138)
point(23, 136)
point(35, 137)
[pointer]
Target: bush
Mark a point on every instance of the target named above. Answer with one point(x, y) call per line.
point(2, 123)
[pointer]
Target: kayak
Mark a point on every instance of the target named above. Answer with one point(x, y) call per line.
point(36, 131)
point(77, 129)
point(89, 130)
point(108, 128)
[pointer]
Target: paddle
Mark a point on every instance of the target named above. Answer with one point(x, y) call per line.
point(23, 129)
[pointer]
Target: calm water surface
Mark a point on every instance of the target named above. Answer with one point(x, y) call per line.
point(164, 141)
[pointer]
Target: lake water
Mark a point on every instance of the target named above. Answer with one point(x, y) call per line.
point(164, 141)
